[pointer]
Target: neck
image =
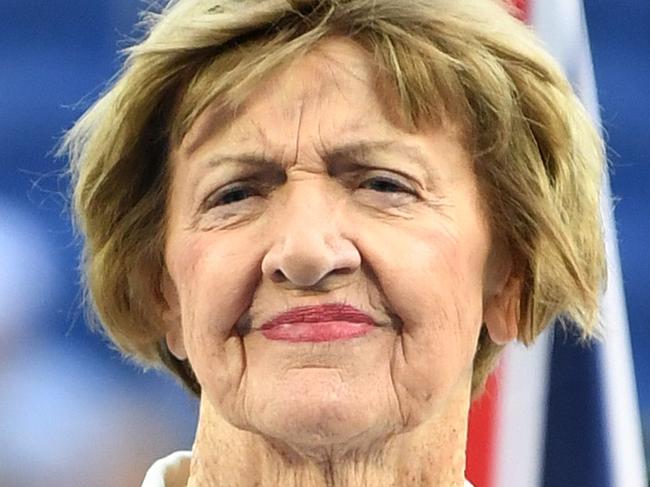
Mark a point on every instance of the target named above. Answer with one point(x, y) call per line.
point(431, 455)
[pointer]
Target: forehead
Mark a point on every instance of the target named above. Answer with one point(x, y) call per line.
point(333, 90)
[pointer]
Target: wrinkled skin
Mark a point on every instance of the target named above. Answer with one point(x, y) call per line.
point(405, 239)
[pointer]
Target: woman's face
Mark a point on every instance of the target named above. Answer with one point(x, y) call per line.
point(313, 194)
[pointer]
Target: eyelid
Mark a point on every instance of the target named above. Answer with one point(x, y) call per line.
point(262, 180)
point(208, 202)
point(398, 179)
point(398, 184)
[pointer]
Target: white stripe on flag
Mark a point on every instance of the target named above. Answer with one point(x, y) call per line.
point(521, 416)
point(561, 24)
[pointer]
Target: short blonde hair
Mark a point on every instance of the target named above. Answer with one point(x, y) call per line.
point(538, 158)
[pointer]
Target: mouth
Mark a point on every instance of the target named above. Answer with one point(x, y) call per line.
point(320, 323)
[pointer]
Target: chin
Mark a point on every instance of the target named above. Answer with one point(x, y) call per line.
point(321, 429)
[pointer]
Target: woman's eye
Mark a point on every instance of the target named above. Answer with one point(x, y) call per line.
point(385, 185)
point(231, 195)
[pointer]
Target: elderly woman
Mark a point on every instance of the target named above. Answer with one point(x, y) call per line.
point(327, 218)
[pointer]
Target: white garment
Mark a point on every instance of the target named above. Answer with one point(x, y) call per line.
point(173, 471)
point(170, 471)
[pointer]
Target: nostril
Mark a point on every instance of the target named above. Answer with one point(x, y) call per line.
point(278, 276)
point(342, 270)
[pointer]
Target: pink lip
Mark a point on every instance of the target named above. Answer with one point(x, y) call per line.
point(321, 323)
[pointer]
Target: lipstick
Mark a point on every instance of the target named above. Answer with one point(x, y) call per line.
point(321, 323)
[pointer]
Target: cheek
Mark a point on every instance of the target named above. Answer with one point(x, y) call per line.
point(438, 287)
point(215, 279)
point(442, 303)
point(437, 291)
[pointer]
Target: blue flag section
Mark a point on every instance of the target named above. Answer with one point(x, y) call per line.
point(577, 445)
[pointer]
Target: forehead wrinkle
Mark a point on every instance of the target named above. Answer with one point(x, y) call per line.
point(354, 127)
point(297, 147)
point(266, 141)
point(263, 141)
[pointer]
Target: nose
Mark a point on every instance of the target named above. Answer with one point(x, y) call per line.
point(308, 248)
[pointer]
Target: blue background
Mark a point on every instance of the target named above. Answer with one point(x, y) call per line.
point(68, 398)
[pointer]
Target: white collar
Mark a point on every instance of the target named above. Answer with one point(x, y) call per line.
point(170, 471)
point(174, 470)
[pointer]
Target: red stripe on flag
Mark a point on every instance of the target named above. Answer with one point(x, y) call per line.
point(482, 434)
point(522, 8)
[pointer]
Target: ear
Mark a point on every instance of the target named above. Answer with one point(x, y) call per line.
point(502, 312)
point(171, 316)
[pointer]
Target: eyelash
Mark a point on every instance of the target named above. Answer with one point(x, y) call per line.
point(216, 200)
point(229, 192)
point(401, 187)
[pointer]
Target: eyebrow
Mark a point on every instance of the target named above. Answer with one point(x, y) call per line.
point(359, 153)
point(340, 159)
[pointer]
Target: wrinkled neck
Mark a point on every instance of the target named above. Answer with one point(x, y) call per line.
point(431, 455)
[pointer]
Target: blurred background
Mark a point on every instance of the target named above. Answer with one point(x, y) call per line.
point(72, 412)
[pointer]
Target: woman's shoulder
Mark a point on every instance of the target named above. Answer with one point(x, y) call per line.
point(170, 471)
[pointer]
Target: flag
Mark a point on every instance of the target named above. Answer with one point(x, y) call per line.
point(577, 423)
